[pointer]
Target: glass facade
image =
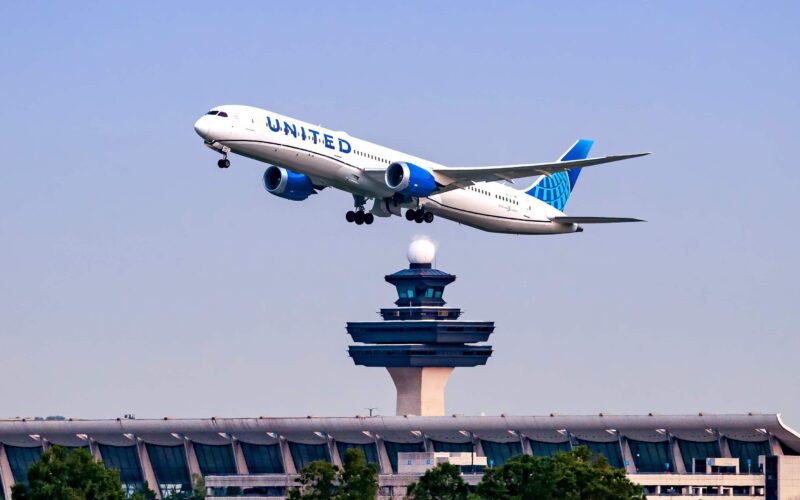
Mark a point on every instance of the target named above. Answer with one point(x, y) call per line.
point(125, 459)
point(542, 449)
point(452, 447)
point(20, 459)
point(697, 449)
point(392, 449)
point(263, 458)
point(747, 452)
point(304, 454)
point(215, 460)
point(497, 454)
point(369, 450)
point(610, 450)
point(170, 468)
point(651, 457)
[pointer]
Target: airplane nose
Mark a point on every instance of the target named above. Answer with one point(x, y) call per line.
point(201, 126)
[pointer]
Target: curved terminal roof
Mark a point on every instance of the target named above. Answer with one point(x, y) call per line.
point(701, 427)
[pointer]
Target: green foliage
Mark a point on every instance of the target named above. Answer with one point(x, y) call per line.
point(320, 480)
point(443, 482)
point(358, 480)
point(317, 481)
point(63, 475)
point(199, 491)
point(571, 476)
point(143, 493)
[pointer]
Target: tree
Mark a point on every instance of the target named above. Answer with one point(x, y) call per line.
point(443, 482)
point(143, 493)
point(320, 480)
point(358, 480)
point(317, 481)
point(572, 476)
point(63, 475)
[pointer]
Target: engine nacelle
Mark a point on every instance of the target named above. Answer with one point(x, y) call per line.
point(409, 179)
point(287, 184)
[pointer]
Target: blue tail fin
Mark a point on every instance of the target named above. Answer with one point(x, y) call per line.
point(555, 189)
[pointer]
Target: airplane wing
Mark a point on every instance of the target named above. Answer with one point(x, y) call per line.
point(593, 220)
point(458, 177)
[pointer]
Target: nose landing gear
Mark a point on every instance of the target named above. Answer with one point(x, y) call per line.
point(419, 216)
point(224, 162)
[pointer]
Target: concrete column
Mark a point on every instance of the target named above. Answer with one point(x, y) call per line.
point(679, 466)
point(527, 449)
point(95, 450)
point(675, 454)
point(775, 446)
point(572, 440)
point(288, 463)
point(724, 449)
point(238, 455)
point(477, 445)
point(627, 456)
point(6, 476)
point(420, 391)
point(334, 452)
point(383, 456)
point(191, 460)
point(147, 468)
point(427, 443)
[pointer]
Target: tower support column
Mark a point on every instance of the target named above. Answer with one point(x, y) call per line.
point(420, 390)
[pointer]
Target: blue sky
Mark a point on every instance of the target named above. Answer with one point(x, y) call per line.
point(136, 277)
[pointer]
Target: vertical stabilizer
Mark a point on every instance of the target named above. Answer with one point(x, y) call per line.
point(555, 189)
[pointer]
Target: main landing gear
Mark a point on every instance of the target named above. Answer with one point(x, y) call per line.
point(419, 216)
point(359, 216)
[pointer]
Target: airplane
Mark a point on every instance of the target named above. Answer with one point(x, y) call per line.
point(304, 159)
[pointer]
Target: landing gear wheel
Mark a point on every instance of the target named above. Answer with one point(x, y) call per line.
point(369, 219)
point(224, 163)
point(359, 217)
point(410, 214)
point(350, 216)
point(428, 217)
point(419, 218)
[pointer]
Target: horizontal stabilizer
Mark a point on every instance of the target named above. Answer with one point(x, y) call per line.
point(593, 220)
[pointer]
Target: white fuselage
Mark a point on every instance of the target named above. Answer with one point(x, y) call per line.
point(336, 159)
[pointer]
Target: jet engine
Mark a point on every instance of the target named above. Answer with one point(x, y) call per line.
point(287, 184)
point(409, 179)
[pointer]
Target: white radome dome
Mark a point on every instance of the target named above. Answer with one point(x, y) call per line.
point(421, 252)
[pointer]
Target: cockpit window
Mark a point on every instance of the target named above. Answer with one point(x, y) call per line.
point(212, 112)
point(223, 114)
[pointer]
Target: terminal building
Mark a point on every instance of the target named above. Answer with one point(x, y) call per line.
point(745, 456)
point(420, 342)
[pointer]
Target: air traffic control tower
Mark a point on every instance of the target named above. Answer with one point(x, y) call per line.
point(420, 341)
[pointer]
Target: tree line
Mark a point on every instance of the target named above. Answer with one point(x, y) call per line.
point(577, 475)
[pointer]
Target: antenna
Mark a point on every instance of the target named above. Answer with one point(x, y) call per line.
point(371, 410)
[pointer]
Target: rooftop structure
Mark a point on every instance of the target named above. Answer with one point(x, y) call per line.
point(420, 341)
point(261, 456)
